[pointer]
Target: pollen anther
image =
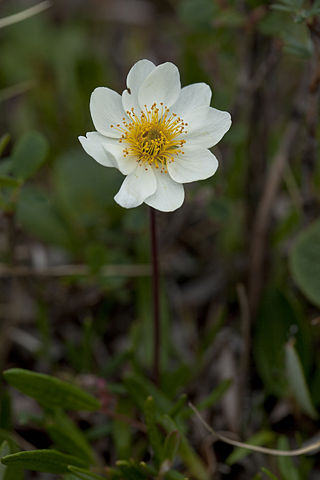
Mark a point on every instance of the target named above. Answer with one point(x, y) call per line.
point(153, 136)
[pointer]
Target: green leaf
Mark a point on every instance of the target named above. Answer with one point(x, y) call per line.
point(277, 319)
point(261, 438)
point(282, 8)
point(152, 428)
point(215, 395)
point(174, 475)
point(8, 473)
point(178, 406)
point(121, 431)
point(146, 469)
point(39, 216)
point(5, 166)
point(139, 388)
point(286, 466)
point(50, 461)
point(186, 452)
point(130, 470)
point(84, 474)
point(298, 382)
point(268, 473)
point(50, 391)
point(4, 450)
point(7, 436)
point(82, 188)
point(171, 446)
point(4, 140)
point(196, 13)
point(28, 155)
point(305, 262)
point(6, 181)
point(69, 438)
point(114, 474)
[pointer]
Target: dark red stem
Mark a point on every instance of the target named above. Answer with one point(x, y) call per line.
point(155, 296)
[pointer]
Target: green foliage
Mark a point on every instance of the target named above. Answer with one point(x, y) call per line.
point(216, 394)
point(50, 461)
point(286, 464)
point(185, 450)
point(68, 437)
point(197, 13)
point(264, 437)
point(28, 155)
point(39, 216)
point(297, 381)
point(276, 322)
point(152, 429)
point(171, 446)
point(305, 262)
point(300, 9)
point(50, 391)
point(140, 388)
point(9, 181)
point(84, 474)
point(4, 140)
point(269, 474)
point(8, 472)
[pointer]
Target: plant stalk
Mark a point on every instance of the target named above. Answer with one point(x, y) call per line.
point(155, 297)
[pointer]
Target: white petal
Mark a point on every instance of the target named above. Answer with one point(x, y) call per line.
point(138, 74)
point(192, 97)
point(130, 101)
point(196, 164)
point(126, 164)
point(206, 126)
point(106, 109)
point(135, 78)
point(93, 145)
point(161, 85)
point(169, 195)
point(136, 187)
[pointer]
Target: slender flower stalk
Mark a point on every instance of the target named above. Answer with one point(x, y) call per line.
point(155, 297)
point(158, 135)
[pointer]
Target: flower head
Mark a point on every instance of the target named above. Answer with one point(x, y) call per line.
point(156, 133)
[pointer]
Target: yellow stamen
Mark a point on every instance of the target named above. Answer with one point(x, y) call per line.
point(153, 138)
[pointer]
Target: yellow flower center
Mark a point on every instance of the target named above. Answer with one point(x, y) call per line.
point(154, 137)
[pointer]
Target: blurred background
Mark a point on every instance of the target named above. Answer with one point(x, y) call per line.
point(240, 260)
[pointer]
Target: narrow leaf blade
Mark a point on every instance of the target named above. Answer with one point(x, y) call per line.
point(298, 382)
point(50, 461)
point(50, 391)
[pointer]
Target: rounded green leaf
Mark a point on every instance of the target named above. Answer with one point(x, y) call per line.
point(305, 262)
point(50, 391)
point(37, 214)
point(29, 154)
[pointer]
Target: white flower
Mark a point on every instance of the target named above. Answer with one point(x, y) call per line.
point(156, 133)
